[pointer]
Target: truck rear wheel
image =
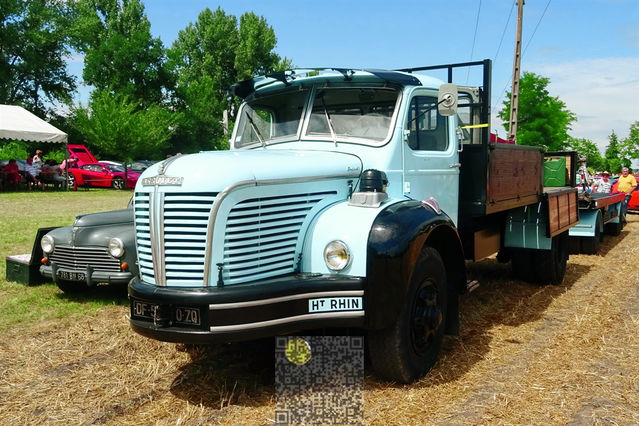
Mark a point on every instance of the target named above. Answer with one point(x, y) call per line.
point(550, 265)
point(409, 348)
point(590, 245)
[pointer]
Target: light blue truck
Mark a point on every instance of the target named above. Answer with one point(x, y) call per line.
point(348, 199)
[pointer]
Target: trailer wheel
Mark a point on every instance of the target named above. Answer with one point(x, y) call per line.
point(614, 229)
point(71, 287)
point(409, 348)
point(522, 264)
point(550, 265)
point(590, 245)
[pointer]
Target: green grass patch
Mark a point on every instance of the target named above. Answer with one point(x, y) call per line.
point(21, 214)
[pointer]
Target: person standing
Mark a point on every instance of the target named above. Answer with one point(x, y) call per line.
point(626, 183)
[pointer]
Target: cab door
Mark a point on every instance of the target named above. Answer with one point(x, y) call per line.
point(431, 159)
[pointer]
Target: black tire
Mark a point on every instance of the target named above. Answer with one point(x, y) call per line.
point(72, 287)
point(550, 265)
point(590, 245)
point(614, 229)
point(409, 348)
point(522, 264)
point(117, 183)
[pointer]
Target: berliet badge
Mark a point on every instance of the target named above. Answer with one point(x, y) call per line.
point(162, 180)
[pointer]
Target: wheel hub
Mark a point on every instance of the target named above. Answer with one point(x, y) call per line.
point(427, 317)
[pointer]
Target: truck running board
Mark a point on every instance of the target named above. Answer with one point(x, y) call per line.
point(471, 285)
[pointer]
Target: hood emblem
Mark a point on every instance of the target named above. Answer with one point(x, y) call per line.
point(162, 180)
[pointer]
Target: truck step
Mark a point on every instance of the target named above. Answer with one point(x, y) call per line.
point(471, 285)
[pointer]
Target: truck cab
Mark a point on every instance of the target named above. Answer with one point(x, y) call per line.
point(338, 205)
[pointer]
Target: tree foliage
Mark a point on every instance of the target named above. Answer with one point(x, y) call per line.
point(588, 149)
point(629, 147)
point(121, 55)
point(206, 58)
point(33, 48)
point(542, 120)
point(118, 128)
point(613, 159)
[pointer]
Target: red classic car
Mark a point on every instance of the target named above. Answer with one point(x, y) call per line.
point(102, 174)
point(633, 204)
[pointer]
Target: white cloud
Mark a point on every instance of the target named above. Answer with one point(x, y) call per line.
point(603, 93)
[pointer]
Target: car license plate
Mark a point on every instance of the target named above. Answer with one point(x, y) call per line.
point(144, 309)
point(71, 276)
point(189, 316)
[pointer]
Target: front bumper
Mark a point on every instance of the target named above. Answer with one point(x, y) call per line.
point(91, 276)
point(246, 311)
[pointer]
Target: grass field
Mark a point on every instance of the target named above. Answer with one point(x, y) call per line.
point(526, 354)
point(21, 214)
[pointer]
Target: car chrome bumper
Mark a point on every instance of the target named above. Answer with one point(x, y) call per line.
point(246, 311)
point(92, 276)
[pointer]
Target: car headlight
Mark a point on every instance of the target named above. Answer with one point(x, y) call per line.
point(47, 244)
point(116, 247)
point(337, 255)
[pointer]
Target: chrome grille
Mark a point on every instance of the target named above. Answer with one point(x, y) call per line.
point(262, 235)
point(143, 236)
point(185, 217)
point(77, 258)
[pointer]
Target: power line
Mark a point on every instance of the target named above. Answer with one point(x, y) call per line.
point(472, 50)
point(537, 26)
point(525, 48)
point(505, 28)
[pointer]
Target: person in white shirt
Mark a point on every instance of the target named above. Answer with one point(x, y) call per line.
point(604, 185)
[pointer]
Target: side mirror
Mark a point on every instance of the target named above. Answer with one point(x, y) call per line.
point(447, 99)
point(105, 170)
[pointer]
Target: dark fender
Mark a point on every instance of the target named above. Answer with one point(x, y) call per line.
point(394, 243)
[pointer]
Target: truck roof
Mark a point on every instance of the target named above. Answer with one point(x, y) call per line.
point(314, 75)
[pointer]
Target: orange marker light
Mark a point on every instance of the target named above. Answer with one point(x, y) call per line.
point(44, 260)
point(124, 265)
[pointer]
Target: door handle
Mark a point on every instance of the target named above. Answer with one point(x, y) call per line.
point(455, 165)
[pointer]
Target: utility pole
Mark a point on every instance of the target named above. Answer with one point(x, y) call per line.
point(514, 94)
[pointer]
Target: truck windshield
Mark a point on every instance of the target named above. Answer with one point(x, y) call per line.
point(362, 115)
point(271, 118)
point(352, 113)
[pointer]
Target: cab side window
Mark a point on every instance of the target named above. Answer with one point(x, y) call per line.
point(427, 129)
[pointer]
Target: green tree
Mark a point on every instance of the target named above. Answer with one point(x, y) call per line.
point(33, 47)
point(629, 147)
point(117, 127)
point(121, 55)
point(588, 149)
point(542, 120)
point(207, 57)
point(613, 159)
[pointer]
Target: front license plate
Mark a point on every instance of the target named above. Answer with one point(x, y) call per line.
point(71, 276)
point(189, 316)
point(144, 309)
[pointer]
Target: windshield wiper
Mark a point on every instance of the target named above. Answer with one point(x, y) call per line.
point(257, 132)
point(328, 120)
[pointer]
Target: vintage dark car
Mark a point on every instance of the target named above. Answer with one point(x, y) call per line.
point(97, 248)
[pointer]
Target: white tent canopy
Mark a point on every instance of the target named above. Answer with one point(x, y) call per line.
point(18, 123)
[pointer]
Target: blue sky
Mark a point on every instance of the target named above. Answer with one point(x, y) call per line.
point(588, 48)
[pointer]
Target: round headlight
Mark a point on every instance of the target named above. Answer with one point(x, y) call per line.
point(336, 255)
point(116, 247)
point(47, 244)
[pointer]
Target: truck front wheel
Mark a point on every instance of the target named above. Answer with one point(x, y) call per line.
point(409, 348)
